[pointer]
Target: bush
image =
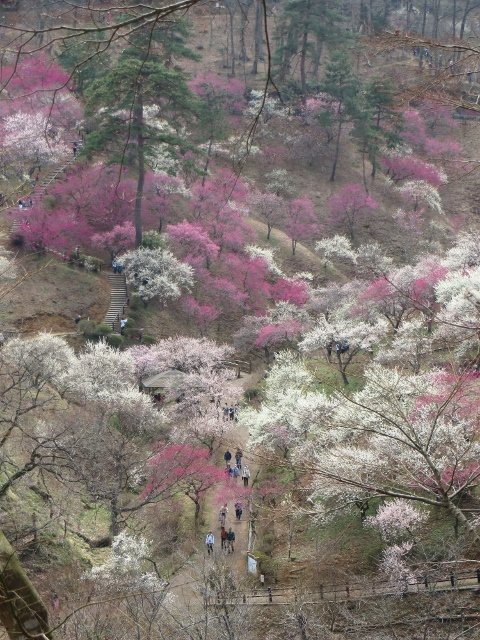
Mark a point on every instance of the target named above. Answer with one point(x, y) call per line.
point(146, 339)
point(115, 340)
point(92, 264)
point(87, 327)
point(252, 393)
point(103, 329)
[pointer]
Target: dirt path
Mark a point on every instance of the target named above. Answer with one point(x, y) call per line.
point(183, 583)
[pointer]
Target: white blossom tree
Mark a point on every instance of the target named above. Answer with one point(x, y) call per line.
point(156, 273)
point(344, 338)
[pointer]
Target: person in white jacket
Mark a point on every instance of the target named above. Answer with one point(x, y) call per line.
point(245, 475)
point(209, 542)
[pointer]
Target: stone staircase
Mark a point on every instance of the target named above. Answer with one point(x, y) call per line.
point(40, 190)
point(118, 300)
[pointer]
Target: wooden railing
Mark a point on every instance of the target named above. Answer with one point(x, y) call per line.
point(342, 592)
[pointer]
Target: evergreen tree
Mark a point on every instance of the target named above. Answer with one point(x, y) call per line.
point(343, 86)
point(126, 128)
point(305, 26)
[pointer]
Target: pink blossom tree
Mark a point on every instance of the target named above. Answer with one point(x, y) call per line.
point(193, 243)
point(400, 167)
point(348, 205)
point(186, 470)
point(119, 239)
point(301, 221)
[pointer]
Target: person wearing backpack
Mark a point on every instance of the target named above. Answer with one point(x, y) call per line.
point(238, 510)
point(230, 540)
point(223, 538)
point(209, 542)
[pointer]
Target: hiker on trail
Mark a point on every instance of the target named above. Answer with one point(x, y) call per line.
point(231, 472)
point(123, 324)
point(74, 149)
point(227, 456)
point(78, 317)
point(223, 537)
point(231, 413)
point(222, 516)
point(245, 475)
point(238, 458)
point(209, 542)
point(235, 472)
point(238, 510)
point(235, 413)
point(114, 266)
point(230, 540)
point(226, 411)
point(20, 204)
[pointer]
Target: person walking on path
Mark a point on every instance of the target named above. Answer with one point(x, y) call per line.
point(238, 510)
point(222, 516)
point(245, 475)
point(238, 458)
point(223, 537)
point(209, 542)
point(226, 411)
point(230, 540)
point(236, 472)
point(227, 456)
point(74, 149)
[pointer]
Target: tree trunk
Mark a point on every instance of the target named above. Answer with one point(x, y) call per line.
point(294, 246)
point(337, 151)
point(22, 612)
point(114, 513)
point(258, 46)
point(303, 50)
point(269, 230)
point(464, 19)
point(138, 125)
point(232, 43)
point(197, 514)
point(318, 57)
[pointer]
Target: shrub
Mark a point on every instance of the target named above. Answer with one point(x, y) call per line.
point(115, 340)
point(103, 329)
point(87, 327)
point(152, 240)
point(92, 264)
point(146, 339)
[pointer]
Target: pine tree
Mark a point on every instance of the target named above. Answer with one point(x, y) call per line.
point(119, 98)
point(343, 87)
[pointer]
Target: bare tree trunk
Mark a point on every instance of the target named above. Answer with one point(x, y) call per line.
point(337, 151)
point(318, 56)
point(258, 51)
point(138, 124)
point(232, 41)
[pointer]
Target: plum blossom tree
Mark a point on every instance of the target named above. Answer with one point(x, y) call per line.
point(405, 167)
point(156, 273)
point(418, 192)
point(30, 137)
point(193, 243)
point(411, 347)
point(301, 221)
point(186, 470)
point(396, 520)
point(348, 205)
point(402, 436)
point(269, 207)
point(345, 338)
point(119, 239)
point(291, 408)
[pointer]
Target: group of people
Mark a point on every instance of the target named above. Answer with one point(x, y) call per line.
point(230, 413)
point(117, 267)
point(228, 537)
point(25, 204)
point(236, 470)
